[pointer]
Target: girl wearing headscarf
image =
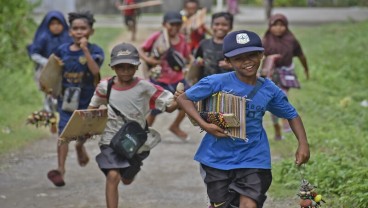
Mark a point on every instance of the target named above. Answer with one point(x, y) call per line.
point(278, 39)
point(50, 34)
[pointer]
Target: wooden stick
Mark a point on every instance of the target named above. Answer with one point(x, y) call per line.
point(140, 5)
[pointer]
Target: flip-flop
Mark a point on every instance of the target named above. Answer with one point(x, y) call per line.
point(56, 178)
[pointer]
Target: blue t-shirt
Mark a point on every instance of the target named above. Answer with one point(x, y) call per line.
point(254, 152)
point(75, 71)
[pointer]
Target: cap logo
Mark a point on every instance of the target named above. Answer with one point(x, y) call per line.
point(242, 38)
point(123, 53)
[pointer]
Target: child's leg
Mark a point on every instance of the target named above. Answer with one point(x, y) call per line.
point(286, 126)
point(175, 126)
point(82, 155)
point(285, 123)
point(251, 185)
point(62, 153)
point(129, 173)
point(134, 29)
point(112, 193)
point(246, 202)
point(277, 127)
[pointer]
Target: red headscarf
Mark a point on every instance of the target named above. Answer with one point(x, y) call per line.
point(286, 45)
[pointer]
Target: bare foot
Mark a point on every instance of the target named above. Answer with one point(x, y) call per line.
point(82, 155)
point(127, 181)
point(179, 133)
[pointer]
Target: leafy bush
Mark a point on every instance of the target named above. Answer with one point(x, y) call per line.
point(16, 24)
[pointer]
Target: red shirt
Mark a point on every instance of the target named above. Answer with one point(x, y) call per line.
point(196, 36)
point(168, 75)
point(128, 12)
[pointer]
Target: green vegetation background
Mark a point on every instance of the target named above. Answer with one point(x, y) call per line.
point(329, 104)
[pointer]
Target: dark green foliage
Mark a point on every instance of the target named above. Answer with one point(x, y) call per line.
point(16, 25)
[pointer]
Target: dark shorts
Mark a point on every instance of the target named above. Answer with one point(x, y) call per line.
point(108, 160)
point(169, 87)
point(130, 20)
point(227, 185)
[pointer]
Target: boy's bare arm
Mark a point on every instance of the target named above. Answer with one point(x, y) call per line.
point(302, 154)
point(174, 105)
point(303, 61)
point(91, 63)
point(147, 59)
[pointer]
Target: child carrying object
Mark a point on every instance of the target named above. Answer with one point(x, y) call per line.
point(128, 98)
point(194, 24)
point(81, 62)
point(50, 34)
point(130, 17)
point(171, 58)
point(237, 172)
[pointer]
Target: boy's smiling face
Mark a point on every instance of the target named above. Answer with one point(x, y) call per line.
point(220, 27)
point(246, 64)
point(173, 28)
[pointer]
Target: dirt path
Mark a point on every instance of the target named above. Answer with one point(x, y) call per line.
point(169, 178)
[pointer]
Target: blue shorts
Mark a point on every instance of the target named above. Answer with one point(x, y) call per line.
point(226, 186)
point(169, 87)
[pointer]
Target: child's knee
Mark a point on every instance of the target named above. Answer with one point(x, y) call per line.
point(113, 176)
point(246, 202)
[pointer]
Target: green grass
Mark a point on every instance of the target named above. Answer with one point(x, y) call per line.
point(336, 124)
point(19, 96)
point(104, 37)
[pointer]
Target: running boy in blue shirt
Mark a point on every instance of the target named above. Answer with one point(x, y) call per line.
point(238, 172)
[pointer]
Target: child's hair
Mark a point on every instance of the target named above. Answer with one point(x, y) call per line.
point(54, 18)
point(228, 16)
point(87, 15)
point(191, 1)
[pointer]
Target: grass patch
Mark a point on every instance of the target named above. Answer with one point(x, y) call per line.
point(336, 124)
point(19, 96)
point(104, 37)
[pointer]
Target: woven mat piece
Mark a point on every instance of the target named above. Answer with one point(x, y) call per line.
point(225, 110)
